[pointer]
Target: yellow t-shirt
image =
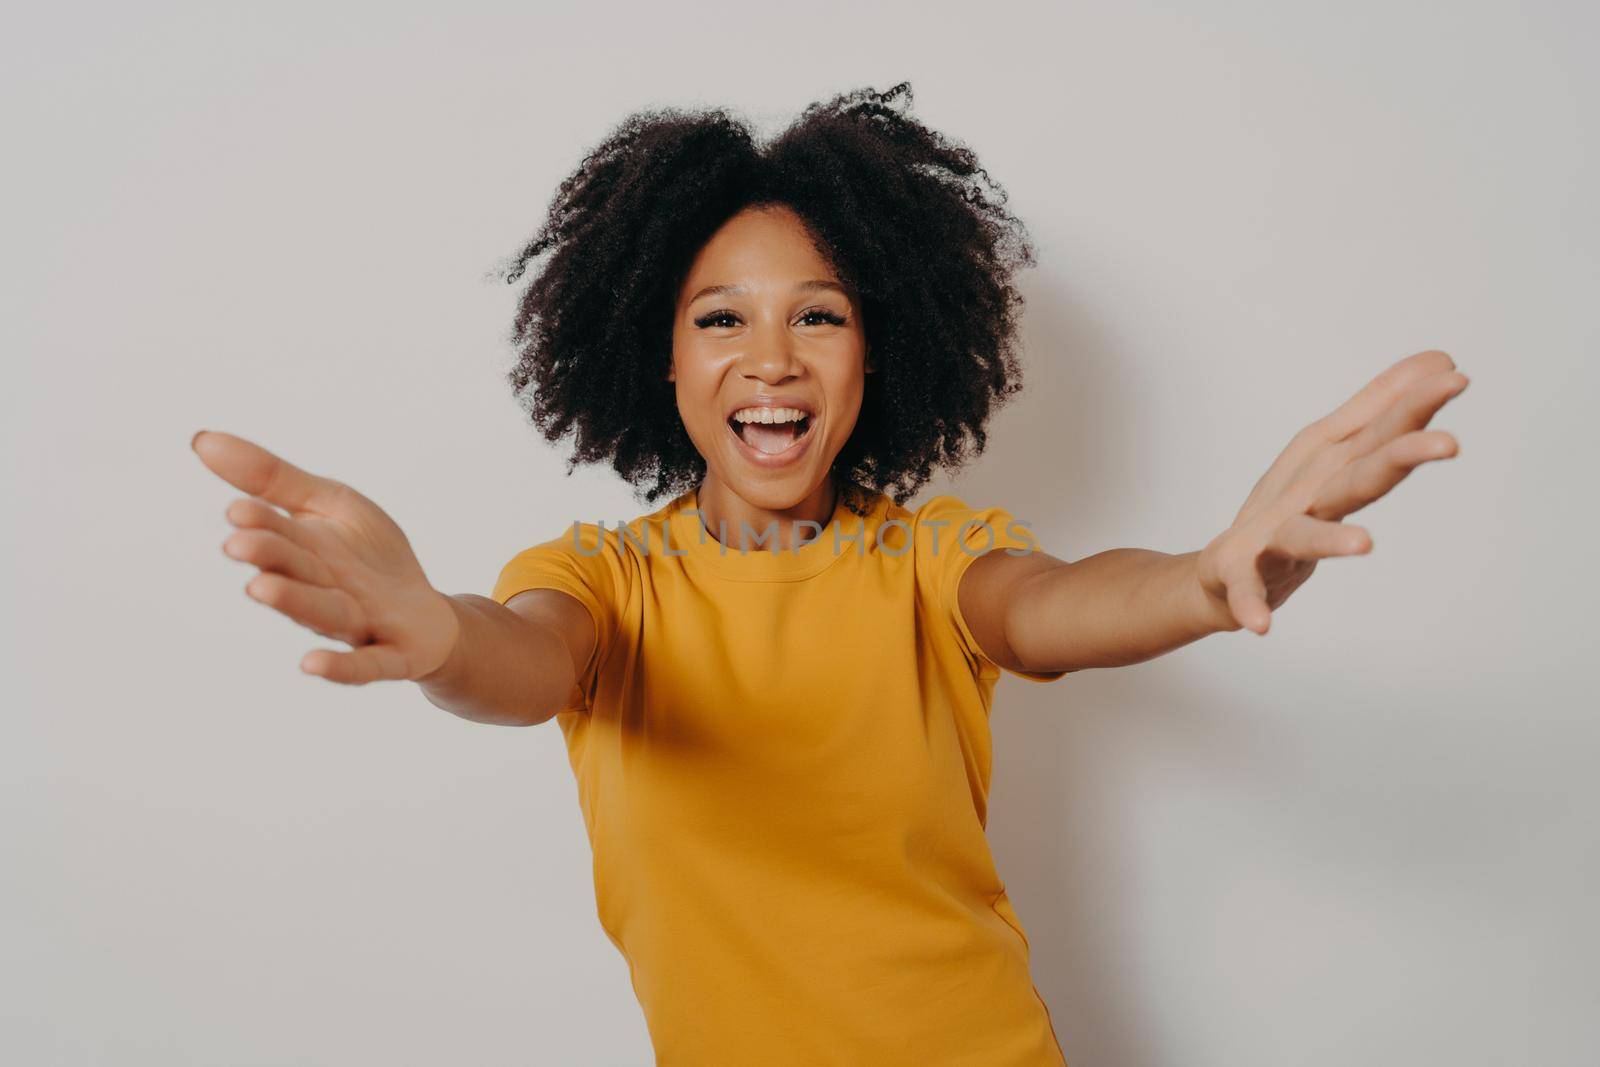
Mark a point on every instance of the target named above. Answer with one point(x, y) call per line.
point(782, 759)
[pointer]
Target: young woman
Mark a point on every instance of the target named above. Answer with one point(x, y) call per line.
point(775, 687)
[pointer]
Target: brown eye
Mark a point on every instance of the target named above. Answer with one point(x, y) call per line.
point(715, 318)
point(824, 314)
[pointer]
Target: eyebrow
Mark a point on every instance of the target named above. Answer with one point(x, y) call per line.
point(803, 287)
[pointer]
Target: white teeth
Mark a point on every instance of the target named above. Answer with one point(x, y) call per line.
point(768, 415)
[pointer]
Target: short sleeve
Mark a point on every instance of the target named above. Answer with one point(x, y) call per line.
point(950, 536)
point(586, 563)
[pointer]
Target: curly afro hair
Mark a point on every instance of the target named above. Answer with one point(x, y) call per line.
point(909, 220)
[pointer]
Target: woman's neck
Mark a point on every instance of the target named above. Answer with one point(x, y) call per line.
point(723, 511)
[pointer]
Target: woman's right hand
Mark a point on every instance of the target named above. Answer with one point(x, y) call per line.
point(336, 564)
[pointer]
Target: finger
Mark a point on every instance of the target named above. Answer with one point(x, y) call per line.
point(1413, 410)
point(329, 612)
point(1370, 477)
point(371, 663)
point(1377, 395)
point(271, 551)
point(253, 513)
point(1303, 537)
point(246, 465)
point(248, 512)
point(1309, 454)
point(1247, 595)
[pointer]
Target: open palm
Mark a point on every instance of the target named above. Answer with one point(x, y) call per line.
point(336, 563)
point(1336, 465)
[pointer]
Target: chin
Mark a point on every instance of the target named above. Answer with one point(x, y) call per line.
point(773, 494)
point(773, 490)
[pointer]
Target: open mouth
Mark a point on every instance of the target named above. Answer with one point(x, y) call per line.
point(771, 439)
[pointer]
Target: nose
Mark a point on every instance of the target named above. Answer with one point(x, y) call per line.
point(769, 357)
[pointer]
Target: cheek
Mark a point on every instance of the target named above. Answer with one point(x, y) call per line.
point(849, 380)
point(689, 372)
point(695, 388)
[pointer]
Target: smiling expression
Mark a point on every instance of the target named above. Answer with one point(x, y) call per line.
point(762, 322)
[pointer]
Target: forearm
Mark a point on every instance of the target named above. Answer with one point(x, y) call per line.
point(1119, 607)
point(504, 669)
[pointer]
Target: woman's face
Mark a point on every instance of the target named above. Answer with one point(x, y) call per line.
point(762, 322)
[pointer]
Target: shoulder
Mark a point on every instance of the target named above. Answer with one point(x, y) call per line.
point(948, 529)
point(598, 561)
point(976, 569)
point(614, 540)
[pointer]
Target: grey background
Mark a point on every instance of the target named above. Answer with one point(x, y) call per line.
point(1368, 837)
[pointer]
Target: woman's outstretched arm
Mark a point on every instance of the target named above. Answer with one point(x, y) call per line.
point(1112, 609)
point(337, 564)
point(1036, 612)
point(512, 665)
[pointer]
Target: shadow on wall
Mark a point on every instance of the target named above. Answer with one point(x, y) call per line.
point(1319, 835)
point(1061, 747)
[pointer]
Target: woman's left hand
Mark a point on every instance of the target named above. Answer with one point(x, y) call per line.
point(1337, 465)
